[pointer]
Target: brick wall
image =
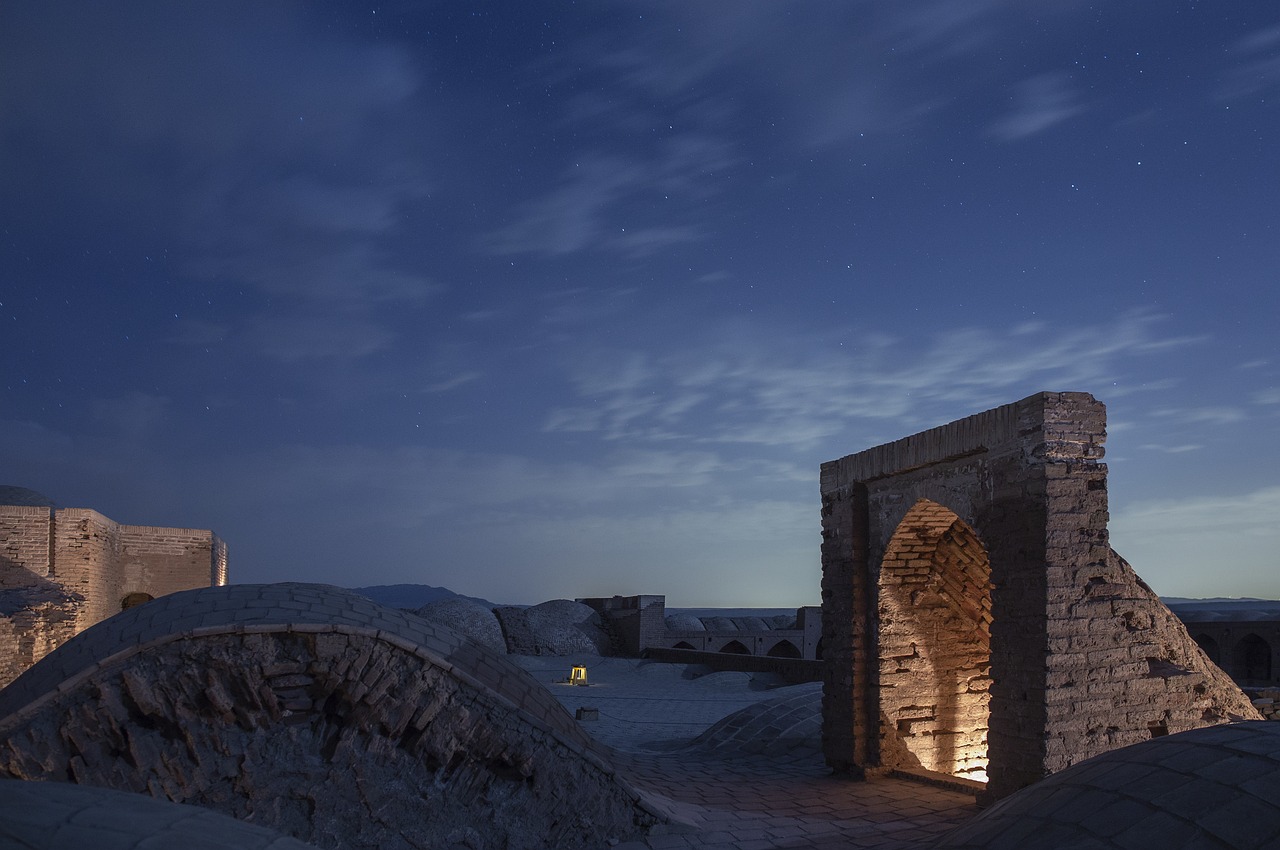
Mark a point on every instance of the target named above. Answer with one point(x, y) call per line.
point(61, 571)
point(24, 543)
point(934, 645)
point(1083, 657)
point(86, 558)
point(159, 561)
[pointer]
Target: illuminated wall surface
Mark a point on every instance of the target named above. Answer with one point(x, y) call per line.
point(64, 569)
point(976, 620)
point(935, 641)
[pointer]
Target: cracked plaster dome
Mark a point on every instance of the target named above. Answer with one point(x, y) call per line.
point(11, 495)
point(1216, 787)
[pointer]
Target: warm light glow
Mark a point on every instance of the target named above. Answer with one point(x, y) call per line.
point(578, 675)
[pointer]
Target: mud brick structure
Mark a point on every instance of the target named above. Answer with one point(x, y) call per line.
point(1242, 636)
point(976, 621)
point(64, 569)
point(312, 711)
point(638, 624)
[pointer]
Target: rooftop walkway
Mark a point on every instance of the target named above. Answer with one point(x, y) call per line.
point(732, 761)
point(755, 780)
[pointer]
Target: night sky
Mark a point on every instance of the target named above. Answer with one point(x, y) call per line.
point(538, 300)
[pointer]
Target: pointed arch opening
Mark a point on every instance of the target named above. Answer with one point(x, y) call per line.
point(1252, 659)
point(784, 649)
point(934, 638)
point(735, 647)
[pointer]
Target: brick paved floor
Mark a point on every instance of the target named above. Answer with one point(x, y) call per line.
point(62, 816)
point(651, 715)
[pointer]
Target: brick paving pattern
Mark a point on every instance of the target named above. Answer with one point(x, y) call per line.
point(736, 767)
point(61, 816)
point(730, 760)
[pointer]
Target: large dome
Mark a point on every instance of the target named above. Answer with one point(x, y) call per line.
point(1217, 787)
point(10, 495)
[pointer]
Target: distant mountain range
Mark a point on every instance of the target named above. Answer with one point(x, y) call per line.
point(411, 596)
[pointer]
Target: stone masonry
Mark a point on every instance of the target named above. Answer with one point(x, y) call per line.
point(318, 713)
point(64, 569)
point(975, 619)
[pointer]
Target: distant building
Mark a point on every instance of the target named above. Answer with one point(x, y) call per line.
point(64, 569)
point(1242, 636)
point(640, 623)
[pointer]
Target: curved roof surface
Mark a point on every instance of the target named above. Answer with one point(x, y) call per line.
point(1217, 787)
point(288, 607)
point(62, 816)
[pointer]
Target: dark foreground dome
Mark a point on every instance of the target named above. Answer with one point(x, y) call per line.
point(1217, 787)
point(315, 712)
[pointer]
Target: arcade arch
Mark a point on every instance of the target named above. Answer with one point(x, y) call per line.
point(1252, 659)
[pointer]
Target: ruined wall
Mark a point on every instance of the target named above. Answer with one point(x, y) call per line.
point(36, 613)
point(1082, 657)
point(634, 622)
point(62, 570)
point(160, 561)
point(86, 560)
point(25, 546)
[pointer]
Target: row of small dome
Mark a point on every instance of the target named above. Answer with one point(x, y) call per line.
point(558, 627)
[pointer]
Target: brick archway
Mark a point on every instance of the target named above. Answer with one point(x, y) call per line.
point(1084, 657)
point(934, 638)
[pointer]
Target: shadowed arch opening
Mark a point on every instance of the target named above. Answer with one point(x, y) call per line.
point(935, 644)
point(1252, 659)
point(735, 647)
point(784, 649)
point(684, 644)
point(132, 599)
point(1210, 647)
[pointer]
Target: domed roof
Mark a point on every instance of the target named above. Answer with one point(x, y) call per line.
point(10, 495)
point(1212, 787)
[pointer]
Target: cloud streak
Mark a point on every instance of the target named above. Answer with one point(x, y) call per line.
point(1039, 104)
point(753, 388)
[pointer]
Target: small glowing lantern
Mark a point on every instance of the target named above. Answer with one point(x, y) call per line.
point(578, 675)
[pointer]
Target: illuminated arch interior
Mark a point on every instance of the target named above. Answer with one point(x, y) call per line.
point(935, 644)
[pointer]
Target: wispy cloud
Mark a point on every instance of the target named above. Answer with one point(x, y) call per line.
point(618, 204)
point(294, 339)
point(1173, 450)
point(135, 415)
point(1201, 415)
point(1039, 103)
point(1267, 396)
point(1259, 68)
point(753, 387)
